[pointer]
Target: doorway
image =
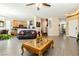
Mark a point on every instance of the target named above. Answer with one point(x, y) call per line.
point(62, 29)
point(62, 26)
point(44, 27)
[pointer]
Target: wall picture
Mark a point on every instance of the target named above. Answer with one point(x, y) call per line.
point(31, 22)
point(37, 24)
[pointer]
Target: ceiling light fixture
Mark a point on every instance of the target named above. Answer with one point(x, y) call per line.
point(39, 5)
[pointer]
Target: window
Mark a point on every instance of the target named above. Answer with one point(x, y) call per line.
point(1, 23)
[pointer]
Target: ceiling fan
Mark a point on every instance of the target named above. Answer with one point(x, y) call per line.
point(38, 5)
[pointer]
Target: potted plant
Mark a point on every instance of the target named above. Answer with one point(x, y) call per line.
point(5, 37)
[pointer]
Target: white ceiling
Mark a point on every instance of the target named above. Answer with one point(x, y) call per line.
point(19, 10)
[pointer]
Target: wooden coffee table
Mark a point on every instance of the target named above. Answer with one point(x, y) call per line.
point(38, 48)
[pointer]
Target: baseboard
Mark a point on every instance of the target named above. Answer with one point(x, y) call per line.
point(72, 37)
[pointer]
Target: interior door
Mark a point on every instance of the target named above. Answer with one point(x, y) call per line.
point(73, 24)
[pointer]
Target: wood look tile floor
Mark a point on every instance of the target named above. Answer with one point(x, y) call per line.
point(63, 46)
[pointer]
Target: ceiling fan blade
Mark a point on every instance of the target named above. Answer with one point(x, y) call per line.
point(30, 4)
point(45, 4)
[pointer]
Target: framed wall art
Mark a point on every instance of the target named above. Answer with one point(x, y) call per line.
point(37, 24)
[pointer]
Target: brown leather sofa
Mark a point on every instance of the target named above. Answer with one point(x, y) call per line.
point(27, 34)
point(3, 31)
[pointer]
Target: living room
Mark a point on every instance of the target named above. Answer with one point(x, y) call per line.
point(25, 23)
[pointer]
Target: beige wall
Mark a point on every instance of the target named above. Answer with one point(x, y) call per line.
point(75, 17)
point(53, 26)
